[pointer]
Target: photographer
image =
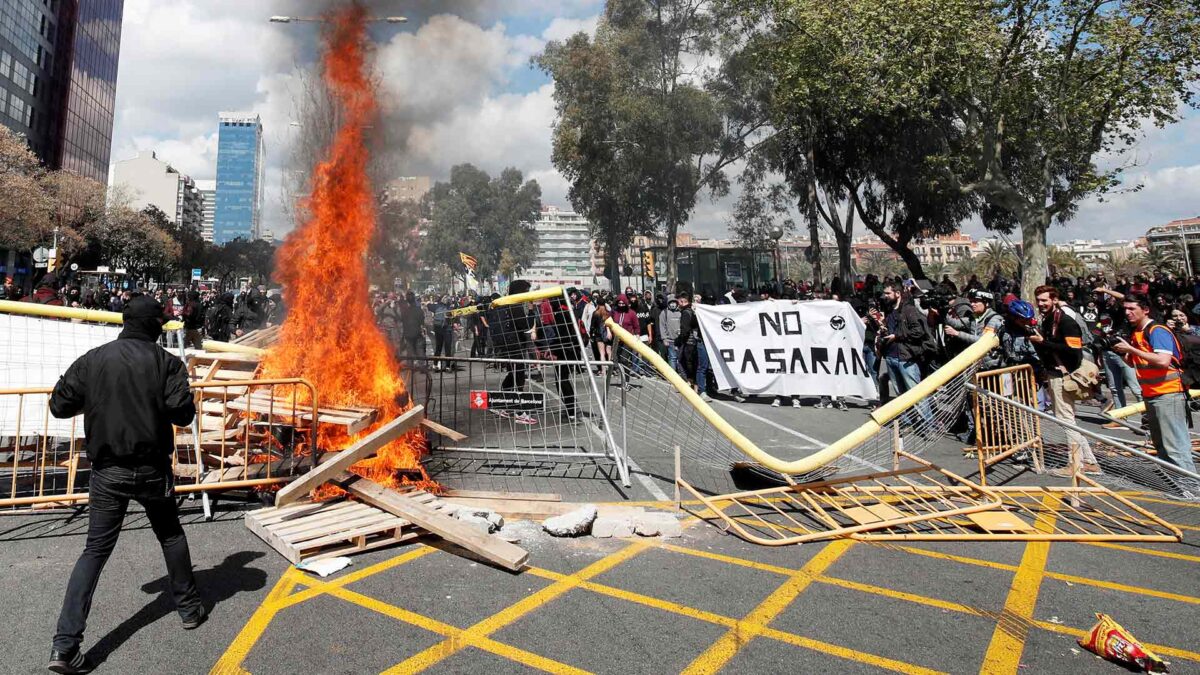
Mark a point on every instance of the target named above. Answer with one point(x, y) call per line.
point(983, 317)
point(1155, 353)
point(1118, 371)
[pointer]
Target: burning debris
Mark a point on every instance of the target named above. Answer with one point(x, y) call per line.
point(330, 336)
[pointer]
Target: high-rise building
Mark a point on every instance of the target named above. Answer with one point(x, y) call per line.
point(151, 181)
point(58, 79)
point(208, 193)
point(239, 178)
point(564, 254)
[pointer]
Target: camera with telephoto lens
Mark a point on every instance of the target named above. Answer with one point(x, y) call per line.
point(1106, 335)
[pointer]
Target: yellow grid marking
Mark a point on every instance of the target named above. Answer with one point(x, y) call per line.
point(230, 662)
point(766, 567)
point(729, 622)
point(1012, 628)
point(508, 615)
point(1156, 648)
point(1168, 502)
point(446, 630)
point(716, 656)
point(1146, 551)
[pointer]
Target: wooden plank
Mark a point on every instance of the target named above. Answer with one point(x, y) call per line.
point(361, 450)
point(495, 549)
point(491, 494)
point(278, 468)
point(517, 509)
point(443, 430)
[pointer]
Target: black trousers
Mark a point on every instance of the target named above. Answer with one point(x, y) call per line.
point(515, 379)
point(109, 493)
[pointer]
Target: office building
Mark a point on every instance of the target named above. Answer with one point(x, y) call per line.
point(564, 254)
point(239, 178)
point(58, 79)
point(148, 180)
point(408, 188)
point(208, 196)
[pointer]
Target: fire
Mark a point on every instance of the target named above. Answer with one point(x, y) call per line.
point(330, 336)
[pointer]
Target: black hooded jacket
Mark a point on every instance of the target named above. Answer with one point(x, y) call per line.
point(130, 392)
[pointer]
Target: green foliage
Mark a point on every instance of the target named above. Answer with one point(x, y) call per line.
point(1024, 94)
point(482, 216)
point(882, 264)
point(1065, 262)
point(995, 258)
point(642, 130)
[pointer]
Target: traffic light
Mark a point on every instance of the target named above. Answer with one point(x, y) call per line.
point(648, 264)
point(52, 260)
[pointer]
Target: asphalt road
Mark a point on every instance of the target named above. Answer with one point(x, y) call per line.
point(704, 602)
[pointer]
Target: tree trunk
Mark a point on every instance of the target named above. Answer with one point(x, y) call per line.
point(814, 225)
point(1033, 253)
point(614, 265)
point(672, 267)
point(845, 271)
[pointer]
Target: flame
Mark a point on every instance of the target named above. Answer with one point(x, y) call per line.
point(329, 335)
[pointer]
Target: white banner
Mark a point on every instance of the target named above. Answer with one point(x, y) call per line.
point(34, 352)
point(785, 347)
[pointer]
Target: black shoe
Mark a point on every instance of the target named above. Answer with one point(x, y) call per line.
point(194, 622)
point(69, 664)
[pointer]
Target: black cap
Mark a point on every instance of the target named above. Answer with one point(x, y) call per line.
point(142, 307)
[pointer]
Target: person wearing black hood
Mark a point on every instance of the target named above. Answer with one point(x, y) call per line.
point(218, 322)
point(130, 392)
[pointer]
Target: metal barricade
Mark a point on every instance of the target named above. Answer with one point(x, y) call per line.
point(538, 397)
point(246, 434)
point(1004, 431)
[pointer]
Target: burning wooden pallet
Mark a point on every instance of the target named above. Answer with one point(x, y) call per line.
point(413, 508)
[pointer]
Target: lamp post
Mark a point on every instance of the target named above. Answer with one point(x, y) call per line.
point(776, 233)
point(1187, 262)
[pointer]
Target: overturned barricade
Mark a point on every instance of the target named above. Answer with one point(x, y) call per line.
point(873, 483)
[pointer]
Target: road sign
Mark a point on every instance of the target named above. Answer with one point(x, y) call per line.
point(40, 255)
point(196, 274)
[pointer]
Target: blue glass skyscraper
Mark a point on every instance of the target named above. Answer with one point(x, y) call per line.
point(239, 178)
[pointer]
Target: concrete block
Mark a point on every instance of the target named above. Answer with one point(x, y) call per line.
point(658, 525)
point(572, 524)
point(605, 527)
point(475, 521)
point(466, 513)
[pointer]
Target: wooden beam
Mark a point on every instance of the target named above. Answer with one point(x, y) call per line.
point(359, 451)
point(443, 430)
point(491, 494)
point(494, 549)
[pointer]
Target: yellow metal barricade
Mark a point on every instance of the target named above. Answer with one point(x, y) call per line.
point(247, 434)
point(1003, 431)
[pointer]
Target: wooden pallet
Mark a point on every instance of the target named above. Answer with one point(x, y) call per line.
point(308, 531)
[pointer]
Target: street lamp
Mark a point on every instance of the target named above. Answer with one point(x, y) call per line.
point(316, 19)
point(776, 233)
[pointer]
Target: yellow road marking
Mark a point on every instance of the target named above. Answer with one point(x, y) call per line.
point(1008, 639)
point(504, 617)
point(446, 630)
point(715, 657)
point(1146, 551)
point(1166, 501)
point(843, 652)
point(1057, 576)
point(766, 567)
point(230, 662)
point(729, 622)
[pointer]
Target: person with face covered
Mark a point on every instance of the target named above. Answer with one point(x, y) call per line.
point(130, 392)
point(625, 317)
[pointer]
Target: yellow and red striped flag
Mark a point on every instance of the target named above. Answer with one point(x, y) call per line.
point(468, 261)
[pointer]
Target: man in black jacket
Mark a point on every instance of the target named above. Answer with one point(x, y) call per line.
point(130, 392)
point(902, 343)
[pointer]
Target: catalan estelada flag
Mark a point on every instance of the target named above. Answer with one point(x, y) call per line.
point(468, 261)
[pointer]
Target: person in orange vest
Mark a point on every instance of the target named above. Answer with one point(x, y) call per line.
point(1154, 353)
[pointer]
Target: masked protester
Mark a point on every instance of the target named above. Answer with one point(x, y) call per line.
point(130, 392)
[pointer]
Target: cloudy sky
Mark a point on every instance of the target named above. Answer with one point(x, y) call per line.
point(457, 76)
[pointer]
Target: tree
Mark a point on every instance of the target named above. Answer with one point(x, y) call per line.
point(964, 269)
point(672, 126)
point(394, 249)
point(1167, 259)
point(1035, 90)
point(760, 212)
point(76, 203)
point(25, 209)
point(1124, 263)
point(1065, 262)
point(482, 216)
point(882, 264)
point(995, 259)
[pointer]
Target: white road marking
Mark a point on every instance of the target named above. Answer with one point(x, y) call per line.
point(819, 443)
